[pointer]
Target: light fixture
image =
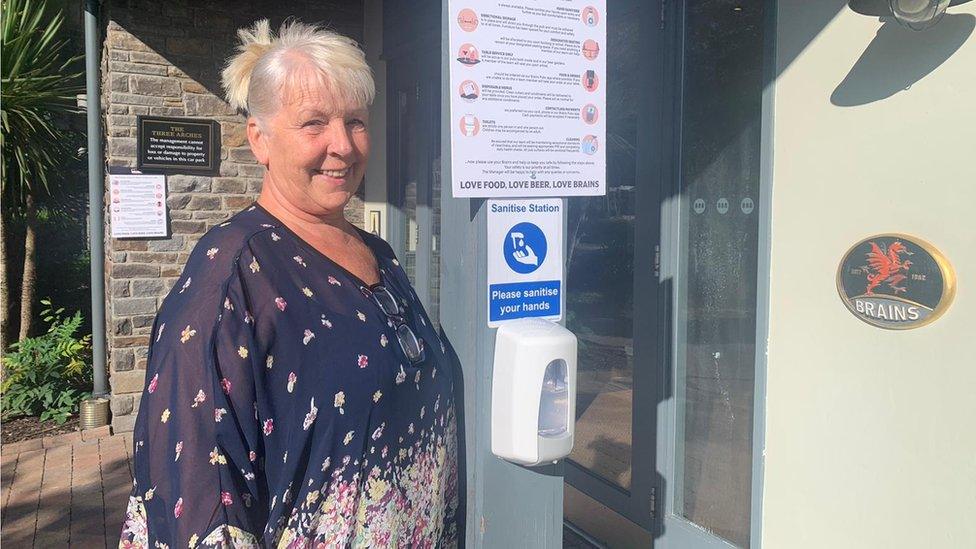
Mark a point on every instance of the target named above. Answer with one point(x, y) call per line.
point(918, 14)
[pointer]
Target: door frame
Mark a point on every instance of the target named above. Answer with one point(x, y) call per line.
point(507, 505)
point(410, 58)
point(678, 532)
point(651, 354)
point(515, 506)
point(650, 500)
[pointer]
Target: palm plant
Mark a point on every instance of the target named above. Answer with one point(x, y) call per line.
point(38, 92)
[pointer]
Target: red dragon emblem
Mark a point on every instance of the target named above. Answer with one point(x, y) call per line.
point(887, 266)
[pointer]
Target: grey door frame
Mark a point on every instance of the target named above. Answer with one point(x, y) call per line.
point(507, 505)
point(651, 299)
point(682, 534)
point(421, 71)
point(513, 506)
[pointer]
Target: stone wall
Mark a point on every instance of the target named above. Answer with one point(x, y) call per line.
point(164, 59)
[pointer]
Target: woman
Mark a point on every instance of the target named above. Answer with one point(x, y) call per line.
point(297, 395)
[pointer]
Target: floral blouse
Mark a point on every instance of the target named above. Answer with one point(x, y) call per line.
point(280, 409)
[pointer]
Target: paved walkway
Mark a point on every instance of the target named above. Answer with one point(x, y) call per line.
point(65, 491)
point(71, 491)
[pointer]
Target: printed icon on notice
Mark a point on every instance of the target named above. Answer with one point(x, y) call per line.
point(591, 49)
point(525, 247)
point(470, 125)
point(468, 55)
point(722, 206)
point(698, 205)
point(590, 81)
point(589, 145)
point(747, 205)
point(467, 19)
point(469, 91)
point(590, 113)
point(590, 16)
point(523, 252)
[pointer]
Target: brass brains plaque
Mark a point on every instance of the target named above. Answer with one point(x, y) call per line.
point(895, 281)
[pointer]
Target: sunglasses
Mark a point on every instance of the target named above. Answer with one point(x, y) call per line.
point(412, 346)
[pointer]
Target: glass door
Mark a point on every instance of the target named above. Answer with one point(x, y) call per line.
point(613, 297)
point(661, 283)
point(708, 423)
point(414, 166)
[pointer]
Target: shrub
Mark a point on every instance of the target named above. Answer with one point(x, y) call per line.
point(49, 375)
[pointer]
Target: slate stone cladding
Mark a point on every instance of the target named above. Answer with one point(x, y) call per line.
point(164, 59)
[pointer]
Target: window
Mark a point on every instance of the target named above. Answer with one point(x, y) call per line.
point(717, 270)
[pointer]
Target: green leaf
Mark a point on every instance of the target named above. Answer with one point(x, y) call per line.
point(37, 93)
point(45, 375)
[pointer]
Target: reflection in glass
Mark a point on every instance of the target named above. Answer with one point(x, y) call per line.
point(409, 164)
point(716, 309)
point(434, 307)
point(600, 274)
point(418, 166)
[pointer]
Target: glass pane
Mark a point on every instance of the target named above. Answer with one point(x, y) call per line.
point(434, 308)
point(600, 272)
point(408, 166)
point(716, 329)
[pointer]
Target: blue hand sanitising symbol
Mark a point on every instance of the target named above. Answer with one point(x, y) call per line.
point(524, 248)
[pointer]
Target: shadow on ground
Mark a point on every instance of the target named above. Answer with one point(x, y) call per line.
point(72, 495)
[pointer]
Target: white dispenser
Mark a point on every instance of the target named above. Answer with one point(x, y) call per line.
point(533, 392)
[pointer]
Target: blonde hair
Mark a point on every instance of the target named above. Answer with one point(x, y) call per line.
point(256, 78)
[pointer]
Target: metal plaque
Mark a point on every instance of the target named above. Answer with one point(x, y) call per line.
point(179, 145)
point(895, 281)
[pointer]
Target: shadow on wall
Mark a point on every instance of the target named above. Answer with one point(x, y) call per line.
point(898, 57)
point(196, 38)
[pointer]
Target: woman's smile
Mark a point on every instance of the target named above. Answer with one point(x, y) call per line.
point(337, 174)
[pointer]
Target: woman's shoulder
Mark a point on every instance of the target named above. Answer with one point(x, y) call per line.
point(213, 264)
point(377, 244)
point(228, 239)
point(216, 256)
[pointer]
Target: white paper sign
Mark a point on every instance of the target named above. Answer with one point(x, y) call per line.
point(138, 205)
point(525, 259)
point(528, 98)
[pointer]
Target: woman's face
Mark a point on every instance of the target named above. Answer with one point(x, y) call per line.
point(315, 149)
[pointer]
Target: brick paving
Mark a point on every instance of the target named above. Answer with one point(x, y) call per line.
point(66, 490)
point(71, 491)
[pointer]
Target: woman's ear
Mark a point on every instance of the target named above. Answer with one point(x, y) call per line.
point(258, 140)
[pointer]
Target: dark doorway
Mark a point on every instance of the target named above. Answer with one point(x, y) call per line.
point(413, 142)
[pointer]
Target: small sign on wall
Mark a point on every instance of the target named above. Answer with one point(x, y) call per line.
point(137, 206)
point(895, 281)
point(178, 145)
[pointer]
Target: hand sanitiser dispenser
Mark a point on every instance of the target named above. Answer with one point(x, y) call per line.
point(533, 392)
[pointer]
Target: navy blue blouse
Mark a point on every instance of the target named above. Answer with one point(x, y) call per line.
point(280, 409)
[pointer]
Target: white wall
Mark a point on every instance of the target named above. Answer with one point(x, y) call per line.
point(870, 434)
